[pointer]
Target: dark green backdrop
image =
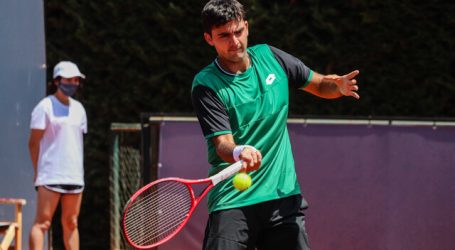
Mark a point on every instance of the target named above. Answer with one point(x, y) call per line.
point(141, 56)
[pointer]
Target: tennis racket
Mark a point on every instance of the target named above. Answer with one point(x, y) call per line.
point(159, 210)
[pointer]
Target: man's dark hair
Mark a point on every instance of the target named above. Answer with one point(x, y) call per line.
point(220, 12)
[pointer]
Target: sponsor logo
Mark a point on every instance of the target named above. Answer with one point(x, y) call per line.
point(270, 79)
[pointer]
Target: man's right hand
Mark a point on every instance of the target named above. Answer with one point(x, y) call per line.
point(225, 146)
point(252, 159)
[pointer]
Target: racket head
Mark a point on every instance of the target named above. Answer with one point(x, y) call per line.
point(158, 211)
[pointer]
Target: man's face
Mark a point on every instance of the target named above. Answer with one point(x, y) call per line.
point(230, 40)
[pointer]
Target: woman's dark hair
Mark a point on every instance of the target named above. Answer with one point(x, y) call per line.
point(51, 87)
point(220, 12)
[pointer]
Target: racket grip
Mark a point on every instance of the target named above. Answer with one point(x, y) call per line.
point(226, 173)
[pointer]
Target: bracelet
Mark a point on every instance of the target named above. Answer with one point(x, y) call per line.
point(239, 149)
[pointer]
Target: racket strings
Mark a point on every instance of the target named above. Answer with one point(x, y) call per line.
point(172, 220)
point(148, 200)
point(159, 224)
point(157, 213)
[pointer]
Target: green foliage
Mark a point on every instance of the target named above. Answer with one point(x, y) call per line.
point(141, 56)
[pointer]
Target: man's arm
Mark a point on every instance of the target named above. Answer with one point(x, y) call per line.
point(214, 119)
point(325, 86)
point(225, 146)
point(33, 146)
point(333, 86)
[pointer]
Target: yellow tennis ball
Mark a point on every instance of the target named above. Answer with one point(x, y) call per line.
point(242, 181)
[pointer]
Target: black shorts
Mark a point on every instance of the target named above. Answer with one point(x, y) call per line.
point(271, 225)
point(63, 188)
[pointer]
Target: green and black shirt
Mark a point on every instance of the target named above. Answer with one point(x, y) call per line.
point(253, 107)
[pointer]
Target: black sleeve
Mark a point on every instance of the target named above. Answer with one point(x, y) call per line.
point(297, 72)
point(211, 113)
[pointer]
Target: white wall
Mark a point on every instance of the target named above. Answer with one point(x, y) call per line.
point(22, 85)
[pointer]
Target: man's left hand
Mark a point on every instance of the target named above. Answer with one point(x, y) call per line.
point(347, 85)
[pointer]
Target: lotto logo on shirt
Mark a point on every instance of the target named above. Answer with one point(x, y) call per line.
point(270, 79)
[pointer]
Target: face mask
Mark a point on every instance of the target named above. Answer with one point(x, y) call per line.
point(68, 89)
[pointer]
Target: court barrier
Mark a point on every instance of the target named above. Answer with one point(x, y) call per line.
point(125, 176)
point(371, 183)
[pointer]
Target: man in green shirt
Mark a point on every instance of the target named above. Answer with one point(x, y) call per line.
point(242, 100)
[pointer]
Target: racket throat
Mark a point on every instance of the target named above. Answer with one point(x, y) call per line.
point(203, 194)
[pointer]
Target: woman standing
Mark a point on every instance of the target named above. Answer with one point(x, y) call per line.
point(56, 149)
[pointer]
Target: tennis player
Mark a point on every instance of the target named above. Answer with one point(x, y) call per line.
point(56, 149)
point(241, 100)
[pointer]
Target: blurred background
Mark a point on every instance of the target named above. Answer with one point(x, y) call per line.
point(141, 56)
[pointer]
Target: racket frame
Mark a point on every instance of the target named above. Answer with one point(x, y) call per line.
point(212, 181)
